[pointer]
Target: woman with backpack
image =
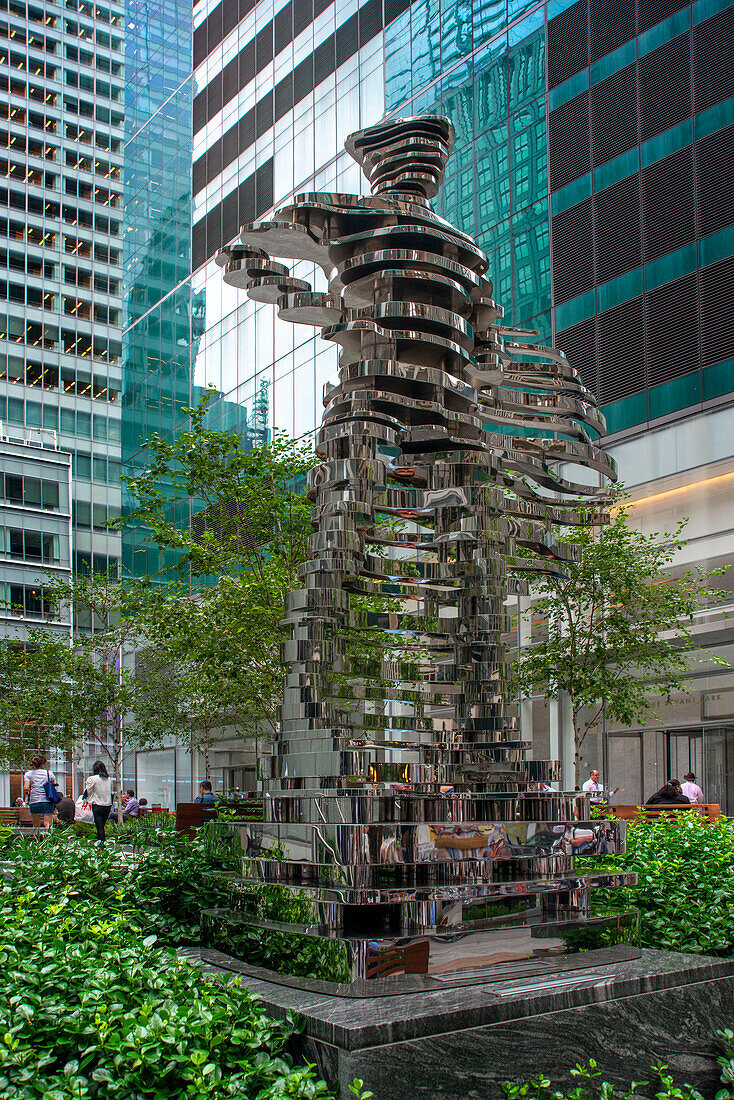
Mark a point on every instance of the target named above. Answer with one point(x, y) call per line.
point(35, 783)
point(99, 793)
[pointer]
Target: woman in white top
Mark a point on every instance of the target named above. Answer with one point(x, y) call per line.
point(38, 803)
point(99, 794)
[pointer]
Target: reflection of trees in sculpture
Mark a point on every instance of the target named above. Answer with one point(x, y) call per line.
point(444, 447)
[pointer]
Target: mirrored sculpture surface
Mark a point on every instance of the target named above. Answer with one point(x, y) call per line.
point(406, 831)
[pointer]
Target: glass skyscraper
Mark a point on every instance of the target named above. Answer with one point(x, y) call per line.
point(61, 71)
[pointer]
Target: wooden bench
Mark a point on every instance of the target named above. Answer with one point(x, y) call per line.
point(710, 811)
point(8, 815)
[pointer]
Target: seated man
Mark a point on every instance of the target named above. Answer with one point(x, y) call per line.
point(209, 800)
point(130, 806)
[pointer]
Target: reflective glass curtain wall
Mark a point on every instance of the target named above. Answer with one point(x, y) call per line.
point(595, 142)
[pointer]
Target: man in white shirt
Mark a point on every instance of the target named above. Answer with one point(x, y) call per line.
point(595, 786)
point(691, 789)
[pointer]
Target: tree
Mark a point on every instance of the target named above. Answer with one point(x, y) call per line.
point(80, 692)
point(238, 557)
point(604, 644)
point(197, 672)
point(22, 728)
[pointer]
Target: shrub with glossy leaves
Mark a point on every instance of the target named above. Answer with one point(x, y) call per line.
point(685, 884)
point(92, 1007)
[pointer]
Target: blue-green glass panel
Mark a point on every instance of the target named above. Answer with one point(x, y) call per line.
point(527, 69)
point(679, 393)
point(555, 7)
point(425, 28)
point(83, 466)
point(458, 103)
point(456, 31)
point(672, 266)
point(33, 414)
point(572, 193)
point(544, 327)
point(491, 138)
point(577, 309)
point(459, 199)
point(490, 86)
point(666, 143)
point(568, 90)
point(718, 379)
point(493, 187)
point(517, 8)
point(531, 272)
point(717, 246)
point(708, 122)
point(527, 114)
point(619, 290)
point(529, 166)
point(527, 27)
point(51, 417)
point(491, 237)
point(613, 62)
point(624, 165)
point(626, 412)
point(530, 216)
point(664, 32)
point(489, 19)
point(500, 272)
point(397, 61)
point(704, 9)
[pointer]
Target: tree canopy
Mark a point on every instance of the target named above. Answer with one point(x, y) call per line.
point(617, 628)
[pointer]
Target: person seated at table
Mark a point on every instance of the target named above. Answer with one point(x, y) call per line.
point(130, 806)
point(208, 799)
point(144, 808)
point(670, 794)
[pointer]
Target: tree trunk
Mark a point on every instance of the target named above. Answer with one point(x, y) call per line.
point(576, 749)
point(206, 757)
point(118, 776)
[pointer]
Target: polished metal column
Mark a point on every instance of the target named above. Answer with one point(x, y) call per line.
point(407, 835)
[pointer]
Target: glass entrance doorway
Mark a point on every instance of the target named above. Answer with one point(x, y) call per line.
point(640, 763)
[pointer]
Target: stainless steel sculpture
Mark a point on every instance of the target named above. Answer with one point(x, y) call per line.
point(405, 838)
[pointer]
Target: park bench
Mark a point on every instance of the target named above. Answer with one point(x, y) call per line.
point(8, 815)
point(710, 811)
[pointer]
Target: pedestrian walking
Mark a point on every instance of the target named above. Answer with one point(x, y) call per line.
point(99, 795)
point(39, 804)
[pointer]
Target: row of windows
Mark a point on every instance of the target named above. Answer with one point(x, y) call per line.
point(22, 63)
point(99, 61)
point(89, 34)
point(253, 196)
point(94, 515)
point(32, 492)
point(49, 19)
point(34, 14)
point(87, 110)
point(47, 208)
point(33, 546)
point(73, 246)
point(19, 88)
point(27, 602)
point(96, 87)
point(73, 131)
point(30, 37)
point(78, 276)
point(50, 377)
point(48, 337)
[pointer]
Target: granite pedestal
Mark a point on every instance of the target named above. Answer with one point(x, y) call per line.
point(459, 1043)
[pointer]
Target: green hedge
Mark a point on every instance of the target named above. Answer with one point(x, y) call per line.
point(685, 889)
point(94, 1005)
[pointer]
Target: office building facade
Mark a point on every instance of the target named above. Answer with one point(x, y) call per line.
point(592, 161)
point(61, 134)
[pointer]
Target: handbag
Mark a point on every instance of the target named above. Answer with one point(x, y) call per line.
point(52, 795)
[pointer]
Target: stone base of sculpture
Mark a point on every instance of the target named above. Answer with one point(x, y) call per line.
point(626, 1014)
